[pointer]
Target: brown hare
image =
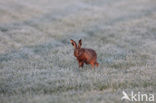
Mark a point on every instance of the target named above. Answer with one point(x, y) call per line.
point(84, 55)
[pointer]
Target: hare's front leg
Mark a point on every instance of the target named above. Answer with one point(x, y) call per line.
point(81, 64)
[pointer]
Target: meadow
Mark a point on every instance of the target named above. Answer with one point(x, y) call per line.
point(37, 64)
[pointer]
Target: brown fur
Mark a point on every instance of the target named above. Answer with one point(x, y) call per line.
point(84, 55)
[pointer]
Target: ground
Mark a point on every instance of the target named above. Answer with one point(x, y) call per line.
point(37, 64)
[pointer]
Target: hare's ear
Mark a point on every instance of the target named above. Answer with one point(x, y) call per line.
point(73, 43)
point(80, 43)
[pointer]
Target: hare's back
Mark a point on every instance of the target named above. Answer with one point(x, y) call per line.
point(90, 54)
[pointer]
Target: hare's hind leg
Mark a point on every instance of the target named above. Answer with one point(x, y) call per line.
point(97, 64)
point(93, 65)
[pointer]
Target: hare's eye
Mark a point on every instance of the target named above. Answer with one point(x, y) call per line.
point(73, 44)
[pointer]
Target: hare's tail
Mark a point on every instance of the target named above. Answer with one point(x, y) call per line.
point(97, 64)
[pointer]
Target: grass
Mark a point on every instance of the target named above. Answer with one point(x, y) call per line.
point(37, 64)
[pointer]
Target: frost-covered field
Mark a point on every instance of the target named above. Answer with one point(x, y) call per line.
point(36, 58)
